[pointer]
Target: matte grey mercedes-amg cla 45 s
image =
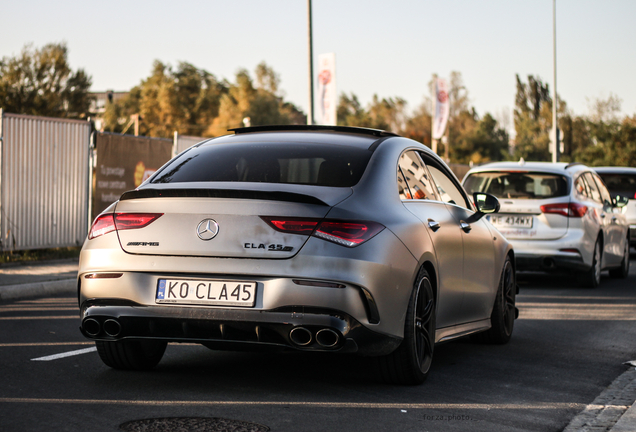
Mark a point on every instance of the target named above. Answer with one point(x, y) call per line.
point(310, 238)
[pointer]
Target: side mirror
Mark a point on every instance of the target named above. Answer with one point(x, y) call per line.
point(486, 203)
point(620, 201)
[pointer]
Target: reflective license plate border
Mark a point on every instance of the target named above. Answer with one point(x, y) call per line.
point(201, 295)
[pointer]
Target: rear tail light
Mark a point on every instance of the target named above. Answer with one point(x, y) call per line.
point(102, 225)
point(348, 234)
point(344, 233)
point(121, 221)
point(575, 210)
point(292, 225)
point(124, 221)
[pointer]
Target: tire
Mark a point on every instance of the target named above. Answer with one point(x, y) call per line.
point(592, 278)
point(502, 318)
point(623, 271)
point(411, 361)
point(131, 354)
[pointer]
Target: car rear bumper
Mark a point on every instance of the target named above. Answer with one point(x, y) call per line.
point(371, 284)
point(298, 328)
point(557, 254)
point(550, 262)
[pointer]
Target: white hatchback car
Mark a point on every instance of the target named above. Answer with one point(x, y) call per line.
point(558, 216)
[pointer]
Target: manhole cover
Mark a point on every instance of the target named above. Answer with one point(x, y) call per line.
point(191, 424)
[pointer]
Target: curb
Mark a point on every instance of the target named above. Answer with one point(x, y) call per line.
point(13, 292)
point(626, 422)
point(613, 410)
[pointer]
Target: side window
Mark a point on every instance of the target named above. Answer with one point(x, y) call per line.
point(605, 195)
point(594, 192)
point(416, 176)
point(580, 187)
point(448, 191)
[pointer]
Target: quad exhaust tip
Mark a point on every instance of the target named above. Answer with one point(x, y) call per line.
point(300, 336)
point(91, 327)
point(112, 327)
point(327, 338)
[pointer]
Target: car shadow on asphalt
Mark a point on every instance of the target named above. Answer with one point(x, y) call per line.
point(190, 370)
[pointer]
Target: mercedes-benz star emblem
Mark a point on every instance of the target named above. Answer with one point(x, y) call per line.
point(207, 229)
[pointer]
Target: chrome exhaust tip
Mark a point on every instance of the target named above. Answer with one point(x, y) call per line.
point(327, 338)
point(112, 327)
point(91, 327)
point(300, 336)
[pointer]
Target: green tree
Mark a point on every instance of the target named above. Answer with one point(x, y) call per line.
point(41, 82)
point(185, 100)
point(385, 114)
point(602, 138)
point(479, 140)
point(533, 119)
point(261, 103)
point(470, 139)
point(350, 112)
point(418, 126)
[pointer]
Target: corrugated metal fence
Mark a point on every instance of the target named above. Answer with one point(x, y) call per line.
point(44, 181)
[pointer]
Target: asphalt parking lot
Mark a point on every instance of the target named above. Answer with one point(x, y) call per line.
point(568, 347)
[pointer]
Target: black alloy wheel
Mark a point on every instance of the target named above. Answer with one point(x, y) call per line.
point(411, 361)
point(502, 318)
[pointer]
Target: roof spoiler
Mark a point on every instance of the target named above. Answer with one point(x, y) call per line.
point(318, 128)
point(571, 164)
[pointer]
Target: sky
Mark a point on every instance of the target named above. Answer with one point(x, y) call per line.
point(388, 48)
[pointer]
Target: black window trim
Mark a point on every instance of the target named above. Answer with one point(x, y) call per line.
point(451, 176)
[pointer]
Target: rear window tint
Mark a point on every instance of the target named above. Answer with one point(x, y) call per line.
point(620, 184)
point(517, 185)
point(309, 164)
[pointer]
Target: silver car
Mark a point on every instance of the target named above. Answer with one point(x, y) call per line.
point(621, 181)
point(329, 239)
point(558, 216)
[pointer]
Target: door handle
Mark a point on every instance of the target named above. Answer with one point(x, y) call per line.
point(466, 227)
point(434, 225)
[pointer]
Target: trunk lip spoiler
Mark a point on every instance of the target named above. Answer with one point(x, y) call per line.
point(223, 193)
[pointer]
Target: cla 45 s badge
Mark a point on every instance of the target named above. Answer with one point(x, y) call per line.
point(270, 248)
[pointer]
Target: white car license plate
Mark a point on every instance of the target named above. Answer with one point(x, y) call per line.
point(511, 221)
point(206, 292)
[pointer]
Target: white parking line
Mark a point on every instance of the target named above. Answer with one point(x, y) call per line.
point(66, 354)
point(355, 405)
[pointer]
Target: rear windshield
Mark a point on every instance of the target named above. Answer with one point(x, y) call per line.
point(518, 185)
point(620, 184)
point(308, 164)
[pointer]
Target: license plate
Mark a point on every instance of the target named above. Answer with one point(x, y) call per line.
point(512, 221)
point(206, 292)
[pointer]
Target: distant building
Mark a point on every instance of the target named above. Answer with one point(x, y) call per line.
point(98, 104)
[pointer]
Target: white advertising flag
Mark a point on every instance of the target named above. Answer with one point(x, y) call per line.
point(327, 97)
point(442, 108)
